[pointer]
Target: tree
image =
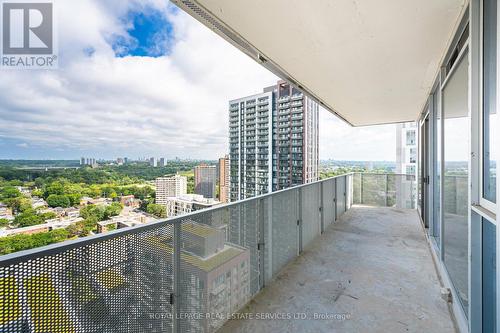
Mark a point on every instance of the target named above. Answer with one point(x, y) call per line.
point(93, 212)
point(4, 223)
point(21, 242)
point(19, 204)
point(79, 229)
point(74, 199)
point(54, 188)
point(47, 216)
point(9, 192)
point(157, 210)
point(58, 200)
point(28, 218)
point(190, 184)
point(113, 210)
point(37, 193)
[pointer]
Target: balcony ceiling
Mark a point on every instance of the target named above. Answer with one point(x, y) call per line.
point(370, 62)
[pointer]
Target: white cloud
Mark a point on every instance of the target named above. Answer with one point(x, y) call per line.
point(340, 141)
point(174, 105)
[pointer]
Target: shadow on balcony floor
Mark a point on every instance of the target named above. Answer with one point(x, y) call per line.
point(373, 266)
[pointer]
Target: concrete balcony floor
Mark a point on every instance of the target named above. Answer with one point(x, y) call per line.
point(374, 265)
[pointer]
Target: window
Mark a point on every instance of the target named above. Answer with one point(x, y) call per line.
point(410, 138)
point(488, 245)
point(410, 170)
point(437, 165)
point(489, 100)
point(413, 155)
point(455, 189)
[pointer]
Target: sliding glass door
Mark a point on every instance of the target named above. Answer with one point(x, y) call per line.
point(455, 175)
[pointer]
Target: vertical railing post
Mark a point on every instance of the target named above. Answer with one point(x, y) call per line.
point(321, 208)
point(345, 193)
point(261, 243)
point(335, 199)
point(176, 273)
point(299, 220)
point(386, 189)
point(411, 194)
point(361, 189)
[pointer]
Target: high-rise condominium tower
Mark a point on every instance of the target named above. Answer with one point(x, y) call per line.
point(170, 187)
point(406, 160)
point(224, 179)
point(205, 179)
point(273, 141)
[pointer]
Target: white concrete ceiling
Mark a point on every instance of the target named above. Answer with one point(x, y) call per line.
point(371, 62)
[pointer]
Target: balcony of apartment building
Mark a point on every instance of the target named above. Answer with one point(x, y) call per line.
point(353, 253)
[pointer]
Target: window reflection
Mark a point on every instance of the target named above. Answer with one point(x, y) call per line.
point(455, 190)
point(489, 100)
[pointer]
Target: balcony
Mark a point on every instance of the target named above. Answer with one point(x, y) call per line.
point(340, 247)
point(370, 260)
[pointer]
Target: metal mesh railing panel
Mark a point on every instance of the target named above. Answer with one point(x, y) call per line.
point(282, 234)
point(182, 275)
point(220, 265)
point(311, 223)
point(341, 196)
point(122, 284)
point(328, 203)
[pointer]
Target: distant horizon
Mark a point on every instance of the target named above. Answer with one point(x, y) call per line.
point(169, 159)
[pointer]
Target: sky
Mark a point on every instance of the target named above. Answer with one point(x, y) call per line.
point(143, 78)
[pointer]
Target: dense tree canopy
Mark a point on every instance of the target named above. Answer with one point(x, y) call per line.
point(58, 200)
point(157, 210)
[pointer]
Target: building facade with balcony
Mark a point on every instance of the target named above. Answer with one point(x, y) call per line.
point(166, 187)
point(224, 179)
point(205, 180)
point(273, 141)
point(406, 157)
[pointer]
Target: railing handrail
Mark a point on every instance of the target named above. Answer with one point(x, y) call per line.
point(51, 249)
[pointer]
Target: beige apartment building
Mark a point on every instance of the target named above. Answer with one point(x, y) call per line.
point(170, 187)
point(224, 179)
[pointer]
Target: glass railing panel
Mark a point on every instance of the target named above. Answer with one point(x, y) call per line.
point(375, 190)
point(384, 190)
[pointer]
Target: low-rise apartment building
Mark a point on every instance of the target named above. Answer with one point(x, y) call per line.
point(188, 203)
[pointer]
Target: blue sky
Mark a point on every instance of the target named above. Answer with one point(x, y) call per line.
point(142, 78)
point(150, 34)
